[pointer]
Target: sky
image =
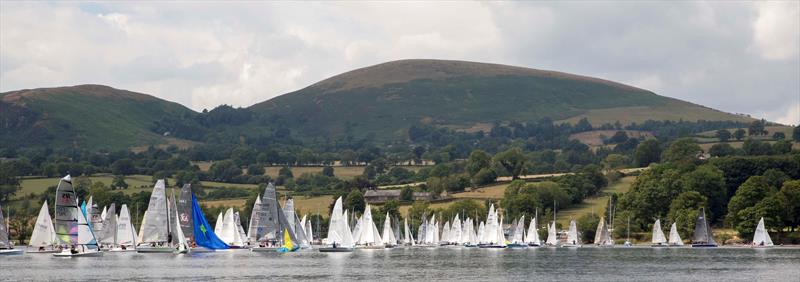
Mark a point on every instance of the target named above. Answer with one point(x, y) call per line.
point(739, 57)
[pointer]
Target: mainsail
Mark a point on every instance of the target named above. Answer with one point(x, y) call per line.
point(184, 209)
point(295, 225)
point(602, 236)
point(572, 234)
point(338, 231)
point(255, 229)
point(761, 237)
point(518, 237)
point(532, 237)
point(155, 227)
point(658, 234)
point(388, 233)
point(674, 237)
point(702, 231)
point(67, 213)
point(44, 233)
point(126, 233)
point(369, 234)
point(108, 235)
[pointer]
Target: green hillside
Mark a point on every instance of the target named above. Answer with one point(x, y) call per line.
point(84, 116)
point(386, 99)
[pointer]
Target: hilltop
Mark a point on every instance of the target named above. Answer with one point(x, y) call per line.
point(387, 98)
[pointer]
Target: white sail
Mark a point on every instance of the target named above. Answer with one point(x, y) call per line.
point(552, 239)
point(126, 234)
point(532, 236)
point(369, 234)
point(229, 231)
point(761, 237)
point(44, 234)
point(500, 238)
point(518, 236)
point(388, 233)
point(139, 235)
point(218, 224)
point(104, 214)
point(309, 231)
point(183, 245)
point(108, 235)
point(85, 235)
point(658, 234)
point(601, 236)
point(408, 237)
point(254, 224)
point(456, 231)
point(338, 231)
point(489, 233)
point(155, 227)
point(240, 237)
point(674, 237)
point(572, 234)
point(445, 233)
point(481, 232)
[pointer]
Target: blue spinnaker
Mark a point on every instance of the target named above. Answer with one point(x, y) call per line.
point(203, 232)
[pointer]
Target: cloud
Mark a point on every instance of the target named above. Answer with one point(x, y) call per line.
point(734, 56)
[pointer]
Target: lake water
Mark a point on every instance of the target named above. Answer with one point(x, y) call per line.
point(417, 264)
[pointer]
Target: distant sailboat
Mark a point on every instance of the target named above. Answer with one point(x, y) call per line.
point(572, 236)
point(5, 244)
point(703, 236)
point(179, 238)
point(408, 236)
point(201, 230)
point(388, 234)
point(108, 235)
point(185, 217)
point(674, 237)
point(272, 224)
point(156, 230)
point(532, 236)
point(518, 234)
point(602, 236)
point(295, 225)
point(339, 237)
point(43, 239)
point(368, 237)
point(72, 226)
point(659, 240)
point(126, 232)
point(761, 238)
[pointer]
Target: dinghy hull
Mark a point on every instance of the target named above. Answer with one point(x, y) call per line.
point(335, 250)
point(9, 252)
point(77, 255)
point(517, 246)
point(265, 249)
point(491, 246)
point(145, 250)
point(704, 246)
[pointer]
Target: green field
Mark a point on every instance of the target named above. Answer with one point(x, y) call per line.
point(596, 204)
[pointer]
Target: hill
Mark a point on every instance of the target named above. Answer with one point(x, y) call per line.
point(386, 99)
point(83, 116)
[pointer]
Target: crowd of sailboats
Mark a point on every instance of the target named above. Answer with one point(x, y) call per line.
point(179, 226)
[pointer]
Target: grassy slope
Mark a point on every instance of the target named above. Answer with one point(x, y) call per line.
point(387, 98)
point(596, 204)
point(96, 116)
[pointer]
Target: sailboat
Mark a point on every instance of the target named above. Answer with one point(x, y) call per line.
point(761, 238)
point(201, 231)
point(156, 230)
point(43, 239)
point(72, 226)
point(295, 226)
point(230, 230)
point(659, 240)
point(179, 238)
point(493, 234)
point(703, 237)
point(126, 233)
point(108, 234)
point(552, 236)
point(674, 237)
point(532, 236)
point(518, 234)
point(5, 244)
point(408, 236)
point(185, 218)
point(572, 236)
point(339, 237)
point(272, 224)
point(389, 241)
point(471, 239)
point(368, 237)
point(602, 237)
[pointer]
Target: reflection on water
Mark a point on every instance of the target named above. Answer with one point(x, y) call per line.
point(467, 264)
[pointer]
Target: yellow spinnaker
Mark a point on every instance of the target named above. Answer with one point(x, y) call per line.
point(287, 240)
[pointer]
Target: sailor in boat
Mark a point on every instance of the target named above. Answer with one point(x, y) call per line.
point(334, 245)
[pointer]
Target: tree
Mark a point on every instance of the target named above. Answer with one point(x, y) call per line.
point(723, 135)
point(123, 167)
point(9, 183)
point(778, 136)
point(754, 147)
point(796, 133)
point(757, 128)
point(255, 169)
point(224, 171)
point(791, 199)
point(327, 171)
point(782, 147)
point(619, 137)
point(739, 134)
point(721, 150)
point(648, 152)
point(483, 177)
point(407, 194)
point(682, 151)
point(750, 193)
point(684, 209)
point(614, 161)
point(477, 161)
point(709, 181)
point(770, 208)
point(355, 201)
point(119, 182)
point(650, 195)
point(512, 160)
point(393, 208)
point(587, 227)
point(285, 172)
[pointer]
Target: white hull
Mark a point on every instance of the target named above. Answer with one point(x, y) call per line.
point(264, 249)
point(68, 254)
point(120, 250)
point(11, 252)
point(155, 249)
